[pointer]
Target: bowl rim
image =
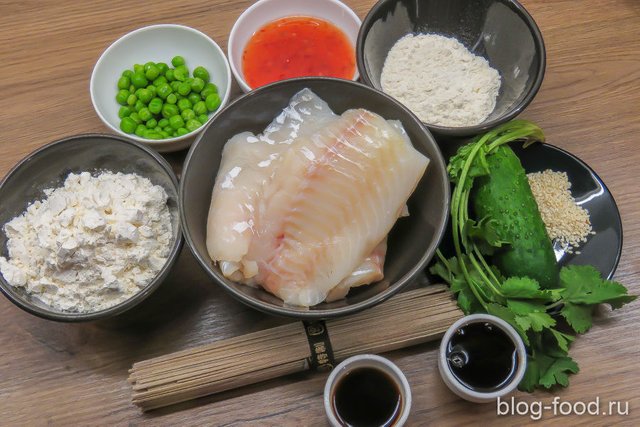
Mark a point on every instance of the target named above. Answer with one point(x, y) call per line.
point(231, 45)
point(463, 131)
point(385, 294)
point(163, 143)
point(135, 299)
point(455, 385)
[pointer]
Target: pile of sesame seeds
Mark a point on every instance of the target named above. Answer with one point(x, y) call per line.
point(567, 223)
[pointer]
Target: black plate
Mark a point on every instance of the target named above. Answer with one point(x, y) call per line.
point(603, 249)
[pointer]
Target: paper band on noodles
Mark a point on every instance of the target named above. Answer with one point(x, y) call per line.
point(321, 358)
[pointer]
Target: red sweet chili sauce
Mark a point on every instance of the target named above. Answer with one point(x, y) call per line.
point(294, 47)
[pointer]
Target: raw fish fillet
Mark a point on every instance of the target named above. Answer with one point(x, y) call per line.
point(370, 271)
point(246, 166)
point(334, 196)
point(263, 179)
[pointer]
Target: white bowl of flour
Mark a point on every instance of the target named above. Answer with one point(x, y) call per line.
point(89, 228)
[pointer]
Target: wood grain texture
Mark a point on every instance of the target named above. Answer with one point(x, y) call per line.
point(62, 374)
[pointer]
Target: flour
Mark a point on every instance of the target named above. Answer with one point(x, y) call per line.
point(90, 244)
point(438, 79)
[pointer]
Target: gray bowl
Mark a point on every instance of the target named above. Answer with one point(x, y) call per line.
point(412, 242)
point(48, 167)
point(501, 31)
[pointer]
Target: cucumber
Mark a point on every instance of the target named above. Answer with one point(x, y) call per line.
point(505, 195)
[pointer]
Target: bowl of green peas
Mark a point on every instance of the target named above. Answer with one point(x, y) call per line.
point(160, 85)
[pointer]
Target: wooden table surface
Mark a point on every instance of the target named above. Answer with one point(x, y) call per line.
point(75, 374)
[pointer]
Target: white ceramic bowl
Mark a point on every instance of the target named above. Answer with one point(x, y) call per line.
point(264, 11)
point(157, 43)
point(368, 361)
point(455, 385)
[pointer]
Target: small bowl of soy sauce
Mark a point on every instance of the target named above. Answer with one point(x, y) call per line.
point(367, 390)
point(482, 358)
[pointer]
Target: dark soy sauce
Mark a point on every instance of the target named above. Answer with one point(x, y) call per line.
point(482, 357)
point(367, 397)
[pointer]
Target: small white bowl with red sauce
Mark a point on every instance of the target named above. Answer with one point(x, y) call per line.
point(280, 39)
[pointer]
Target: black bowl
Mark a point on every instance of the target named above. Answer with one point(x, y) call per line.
point(501, 31)
point(48, 167)
point(602, 249)
point(412, 242)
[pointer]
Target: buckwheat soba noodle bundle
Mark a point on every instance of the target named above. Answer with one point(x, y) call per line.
point(407, 319)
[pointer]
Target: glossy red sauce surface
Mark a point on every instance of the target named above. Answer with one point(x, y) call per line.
point(295, 47)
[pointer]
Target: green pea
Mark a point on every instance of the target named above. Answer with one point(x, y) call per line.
point(164, 91)
point(163, 122)
point(139, 105)
point(209, 89)
point(124, 82)
point(174, 85)
point(151, 123)
point(139, 80)
point(203, 118)
point(124, 112)
point(132, 88)
point(172, 98)
point(149, 65)
point(169, 110)
point(187, 114)
point(155, 105)
point(137, 68)
point(122, 96)
point(197, 85)
point(213, 102)
point(135, 117)
point(179, 74)
point(176, 122)
point(140, 129)
point(194, 98)
point(137, 92)
point(201, 73)
point(145, 96)
point(192, 125)
point(184, 89)
point(131, 100)
point(183, 104)
point(200, 108)
point(127, 73)
point(153, 90)
point(163, 67)
point(167, 128)
point(182, 131)
point(128, 125)
point(177, 61)
point(157, 129)
point(164, 134)
point(169, 75)
point(160, 81)
point(152, 72)
point(152, 134)
point(145, 114)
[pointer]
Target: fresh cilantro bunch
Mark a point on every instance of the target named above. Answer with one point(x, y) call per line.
point(520, 301)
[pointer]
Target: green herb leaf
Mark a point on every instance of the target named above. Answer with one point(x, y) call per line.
point(527, 288)
point(484, 235)
point(583, 285)
point(508, 316)
point(563, 340)
point(557, 372)
point(531, 316)
point(451, 272)
point(577, 316)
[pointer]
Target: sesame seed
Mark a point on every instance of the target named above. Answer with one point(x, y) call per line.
point(567, 223)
